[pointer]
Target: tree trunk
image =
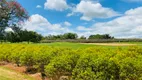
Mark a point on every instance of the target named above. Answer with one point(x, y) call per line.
point(42, 72)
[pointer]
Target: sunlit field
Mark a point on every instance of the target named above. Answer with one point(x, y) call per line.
point(70, 40)
point(76, 60)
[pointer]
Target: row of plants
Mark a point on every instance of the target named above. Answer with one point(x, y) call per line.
point(82, 64)
point(92, 40)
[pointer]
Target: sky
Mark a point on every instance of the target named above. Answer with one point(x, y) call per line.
point(119, 18)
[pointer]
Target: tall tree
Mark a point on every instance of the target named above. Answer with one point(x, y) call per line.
point(11, 14)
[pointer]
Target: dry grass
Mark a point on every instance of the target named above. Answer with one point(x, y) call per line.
point(12, 72)
point(6, 74)
point(111, 44)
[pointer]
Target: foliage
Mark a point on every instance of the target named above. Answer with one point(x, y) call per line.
point(70, 36)
point(62, 37)
point(11, 14)
point(19, 35)
point(98, 36)
point(96, 63)
point(83, 38)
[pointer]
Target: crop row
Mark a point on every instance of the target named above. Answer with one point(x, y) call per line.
point(81, 64)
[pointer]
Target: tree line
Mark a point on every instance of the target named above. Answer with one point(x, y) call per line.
point(75, 36)
point(19, 35)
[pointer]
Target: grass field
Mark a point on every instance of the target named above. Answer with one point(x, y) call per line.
point(8, 74)
point(86, 45)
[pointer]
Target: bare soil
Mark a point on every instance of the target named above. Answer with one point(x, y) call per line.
point(36, 76)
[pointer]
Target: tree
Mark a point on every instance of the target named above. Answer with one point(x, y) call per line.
point(70, 36)
point(13, 37)
point(82, 37)
point(33, 36)
point(19, 35)
point(98, 36)
point(11, 14)
point(62, 37)
point(4, 17)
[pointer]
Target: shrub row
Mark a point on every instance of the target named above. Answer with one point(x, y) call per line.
point(87, 64)
point(93, 40)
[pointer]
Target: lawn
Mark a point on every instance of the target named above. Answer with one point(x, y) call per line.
point(8, 74)
point(86, 45)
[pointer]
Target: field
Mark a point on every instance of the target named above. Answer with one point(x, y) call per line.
point(75, 61)
point(8, 74)
point(86, 45)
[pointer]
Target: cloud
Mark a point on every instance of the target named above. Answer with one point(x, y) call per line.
point(8, 30)
point(41, 25)
point(82, 28)
point(38, 6)
point(127, 26)
point(67, 24)
point(58, 5)
point(90, 10)
point(134, 12)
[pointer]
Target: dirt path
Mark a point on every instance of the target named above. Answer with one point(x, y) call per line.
point(111, 44)
point(7, 74)
point(12, 72)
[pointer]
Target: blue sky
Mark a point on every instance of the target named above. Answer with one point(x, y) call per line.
point(119, 18)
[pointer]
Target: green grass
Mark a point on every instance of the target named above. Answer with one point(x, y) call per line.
point(138, 43)
point(8, 74)
point(78, 45)
point(68, 45)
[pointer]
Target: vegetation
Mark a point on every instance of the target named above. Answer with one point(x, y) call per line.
point(98, 36)
point(83, 38)
point(19, 35)
point(56, 63)
point(95, 41)
point(62, 37)
point(75, 36)
point(96, 63)
point(11, 14)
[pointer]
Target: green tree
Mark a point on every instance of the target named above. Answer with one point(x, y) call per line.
point(33, 36)
point(11, 14)
point(82, 37)
point(19, 35)
point(70, 36)
point(98, 36)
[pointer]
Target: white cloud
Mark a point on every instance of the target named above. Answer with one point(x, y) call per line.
point(38, 6)
point(91, 10)
point(8, 30)
point(67, 24)
point(41, 25)
point(126, 26)
point(133, 12)
point(82, 28)
point(58, 5)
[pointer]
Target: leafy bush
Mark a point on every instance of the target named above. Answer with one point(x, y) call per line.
point(95, 63)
